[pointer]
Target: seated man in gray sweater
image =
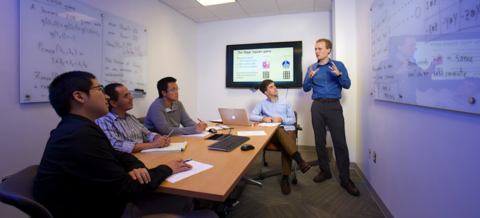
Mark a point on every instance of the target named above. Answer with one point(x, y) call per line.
point(167, 113)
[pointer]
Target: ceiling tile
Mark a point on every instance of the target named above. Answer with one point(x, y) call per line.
point(208, 19)
point(261, 14)
point(226, 9)
point(296, 11)
point(181, 4)
point(245, 8)
point(254, 6)
point(323, 8)
point(295, 4)
point(195, 13)
point(320, 3)
point(236, 16)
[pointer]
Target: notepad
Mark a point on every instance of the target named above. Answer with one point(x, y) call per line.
point(173, 147)
point(251, 133)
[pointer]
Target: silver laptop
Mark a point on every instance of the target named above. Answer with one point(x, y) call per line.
point(234, 116)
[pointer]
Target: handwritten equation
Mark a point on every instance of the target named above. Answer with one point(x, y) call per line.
point(446, 18)
point(56, 37)
point(124, 49)
point(60, 36)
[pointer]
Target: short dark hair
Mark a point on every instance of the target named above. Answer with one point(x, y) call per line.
point(264, 85)
point(328, 43)
point(112, 93)
point(62, 87)
point(162, 85)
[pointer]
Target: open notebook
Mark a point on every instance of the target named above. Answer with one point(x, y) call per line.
point(173, 147)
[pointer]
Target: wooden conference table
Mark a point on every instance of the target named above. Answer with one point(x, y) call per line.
point(228, 168)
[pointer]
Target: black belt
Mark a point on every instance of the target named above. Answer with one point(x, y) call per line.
point(327, 100)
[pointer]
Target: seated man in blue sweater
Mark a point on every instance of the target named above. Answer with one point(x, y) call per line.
point(276, 110)
point(81, 175)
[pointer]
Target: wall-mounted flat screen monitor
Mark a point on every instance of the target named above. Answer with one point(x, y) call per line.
point(249, 64)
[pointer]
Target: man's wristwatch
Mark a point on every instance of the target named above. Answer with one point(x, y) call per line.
point(339, 74)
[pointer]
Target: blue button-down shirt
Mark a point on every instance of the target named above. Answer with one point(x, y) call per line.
point(325, 83)
point(280, 108)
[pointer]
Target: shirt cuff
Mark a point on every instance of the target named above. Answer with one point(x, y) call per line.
point(152, 136)
point(125, 146)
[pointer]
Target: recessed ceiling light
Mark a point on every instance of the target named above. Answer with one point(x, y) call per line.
point(214, 2)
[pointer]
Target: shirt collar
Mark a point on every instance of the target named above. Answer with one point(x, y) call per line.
point(113, 116)
point(328, 63)
point(278, 98)
point(174, 106)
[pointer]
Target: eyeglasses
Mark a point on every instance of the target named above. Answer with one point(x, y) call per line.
point(174, 89)
point(99, 86)
point(127, 95)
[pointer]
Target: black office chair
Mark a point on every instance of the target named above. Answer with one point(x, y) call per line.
point(17, 191)
point(276, 147)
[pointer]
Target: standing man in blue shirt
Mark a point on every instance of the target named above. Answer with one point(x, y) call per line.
point(327, 78)
point(275, 110)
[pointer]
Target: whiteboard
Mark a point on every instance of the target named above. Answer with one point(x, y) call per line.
point(426, 53)
point(124, 53)
point(61, 36)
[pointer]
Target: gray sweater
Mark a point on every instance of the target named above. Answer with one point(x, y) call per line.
point(162, 120)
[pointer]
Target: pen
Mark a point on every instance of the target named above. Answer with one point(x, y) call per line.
point(186, 160)
point(199, 120)
point(170, 133)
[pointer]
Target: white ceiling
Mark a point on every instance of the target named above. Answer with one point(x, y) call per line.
point(245, 8)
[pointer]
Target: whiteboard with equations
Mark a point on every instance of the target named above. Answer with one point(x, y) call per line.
point(60, 36)
point(426, 53)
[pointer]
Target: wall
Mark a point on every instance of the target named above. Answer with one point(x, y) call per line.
point(25, 127)
point(344, 48)
point(212, 40)
point(426, 158)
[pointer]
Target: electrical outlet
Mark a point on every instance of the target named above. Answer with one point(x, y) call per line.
point(374, 157)
point(369, 153)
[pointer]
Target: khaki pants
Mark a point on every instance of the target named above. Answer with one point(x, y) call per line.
point(287, 140)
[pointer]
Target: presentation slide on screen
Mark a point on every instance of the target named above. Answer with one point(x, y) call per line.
point(256, 65)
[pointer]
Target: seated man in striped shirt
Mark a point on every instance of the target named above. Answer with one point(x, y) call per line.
point(123, 130)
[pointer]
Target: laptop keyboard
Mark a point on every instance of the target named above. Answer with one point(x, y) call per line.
point(228, 143)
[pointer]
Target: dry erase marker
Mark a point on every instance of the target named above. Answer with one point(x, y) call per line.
point(170, 133)
point(186, 160)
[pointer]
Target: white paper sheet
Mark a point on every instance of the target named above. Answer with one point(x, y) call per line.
point(173, 147)
point(216, 121)
point(268, 124)
point(251, 133)
point(201, 135)
point(196, 168)
point(218, 127)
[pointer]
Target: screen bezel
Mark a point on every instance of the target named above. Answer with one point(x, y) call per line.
point(297, 67)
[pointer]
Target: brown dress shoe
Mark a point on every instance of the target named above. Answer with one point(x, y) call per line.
point(304, 166)
point(285, 185)
point(322, 176)
point(350, 187)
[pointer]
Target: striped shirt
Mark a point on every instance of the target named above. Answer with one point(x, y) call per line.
point(124, 133)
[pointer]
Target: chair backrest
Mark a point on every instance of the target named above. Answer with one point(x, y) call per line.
point(141, 119)
point(17, 191)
